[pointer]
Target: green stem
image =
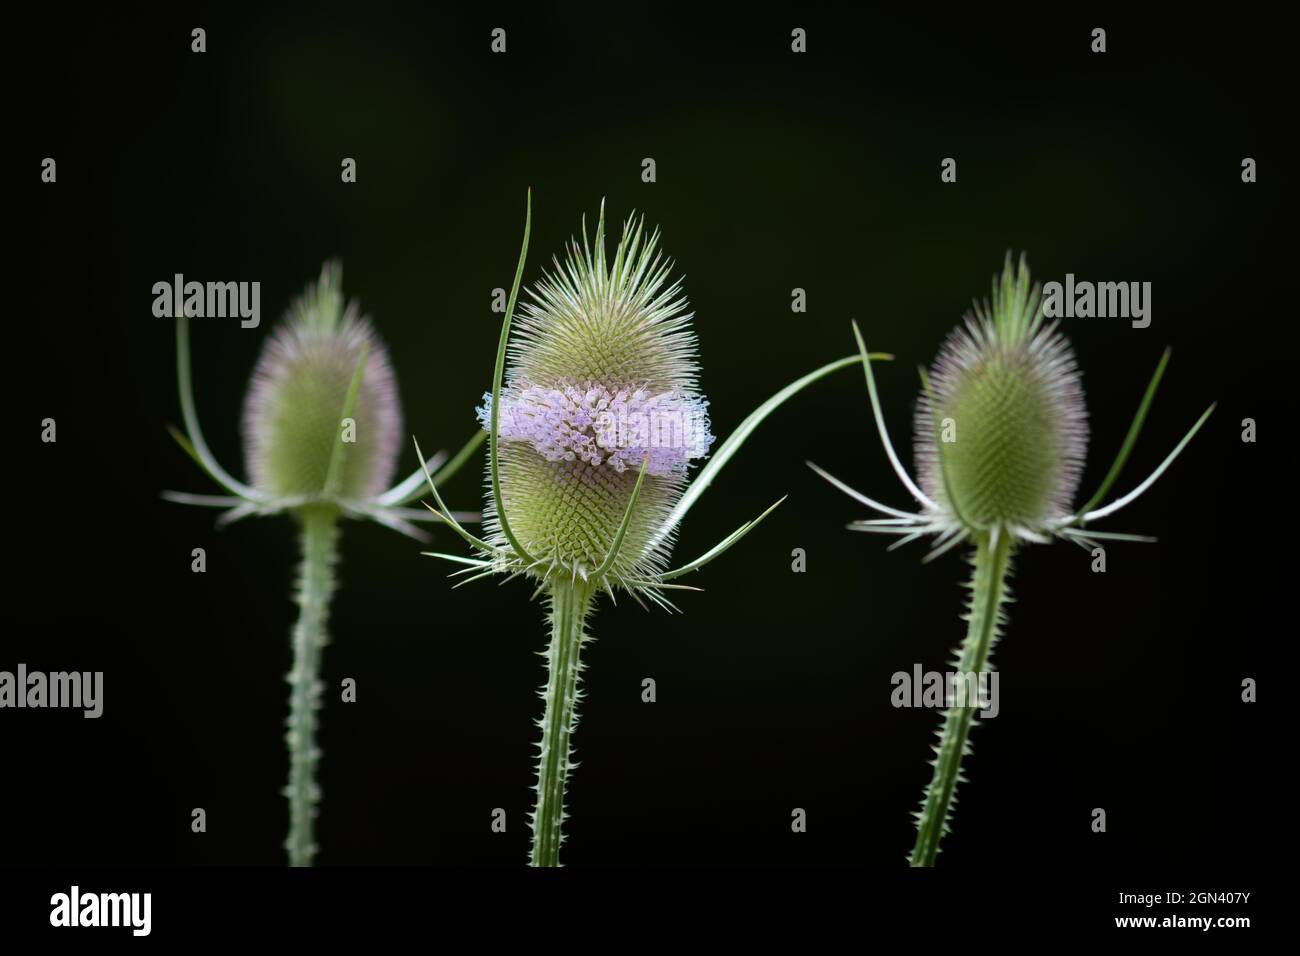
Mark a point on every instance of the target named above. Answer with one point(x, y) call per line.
point(319, 538)
point(988, 593)
point(570, 602)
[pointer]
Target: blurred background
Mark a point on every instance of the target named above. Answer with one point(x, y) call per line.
point(775, 171)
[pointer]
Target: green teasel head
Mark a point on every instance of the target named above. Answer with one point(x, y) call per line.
point(594, 423)
point(1001, 427)
point(321, 421)
point(600, 380)
point(1001, 432)
point(299, 388)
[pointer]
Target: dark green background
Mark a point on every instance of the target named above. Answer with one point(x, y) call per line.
point(775, 171)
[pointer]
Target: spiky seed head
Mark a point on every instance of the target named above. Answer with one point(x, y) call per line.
point(1002, 431)
point(295, 401)
point(601, 377)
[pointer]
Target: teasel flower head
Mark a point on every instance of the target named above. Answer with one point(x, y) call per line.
point(597, 430)
point(291, 422)
point(1001, 432)
point(322, 423)
point(600, 380)
point(1006, 395)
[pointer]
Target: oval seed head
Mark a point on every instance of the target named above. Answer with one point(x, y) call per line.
point(1001, 430)
point(294, 407)
point(601, 378)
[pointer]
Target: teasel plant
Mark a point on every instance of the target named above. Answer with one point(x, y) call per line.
point(1001, 437)
point(321, 426)
point(593, 422)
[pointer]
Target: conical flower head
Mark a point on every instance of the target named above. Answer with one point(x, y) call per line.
point(295, 404)
point(1001, 429)
point(601, 380)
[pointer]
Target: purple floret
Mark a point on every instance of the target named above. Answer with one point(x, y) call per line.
point(618, 428)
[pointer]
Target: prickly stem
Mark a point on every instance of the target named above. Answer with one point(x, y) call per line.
point(570, 604)
point(319, 538)
point(988, 593)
